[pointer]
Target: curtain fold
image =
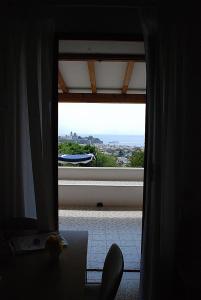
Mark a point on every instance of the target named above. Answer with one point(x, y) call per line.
point(152, 179)
point(26, 121)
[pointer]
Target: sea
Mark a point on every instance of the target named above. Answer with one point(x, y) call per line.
point(122, 140)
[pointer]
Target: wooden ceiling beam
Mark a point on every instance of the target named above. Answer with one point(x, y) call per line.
point(92, 75)
point(127, 76)
point(101, 98)
point(62, 83)
point(101, 57)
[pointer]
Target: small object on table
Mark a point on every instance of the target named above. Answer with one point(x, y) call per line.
point(54, 245)
point(28, 243)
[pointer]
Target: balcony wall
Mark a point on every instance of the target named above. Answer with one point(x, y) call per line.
point(85, 186)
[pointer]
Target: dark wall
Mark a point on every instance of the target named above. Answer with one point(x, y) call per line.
point(117, 22)
point(97, 21)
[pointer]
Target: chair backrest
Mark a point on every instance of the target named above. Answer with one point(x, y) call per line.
point(112, 273)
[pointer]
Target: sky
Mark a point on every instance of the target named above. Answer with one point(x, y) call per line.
point(100, 118)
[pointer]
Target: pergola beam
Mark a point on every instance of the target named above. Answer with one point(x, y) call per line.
point(101, 98)
point(102, 57)
point(127, 76)
point(62, 83)
point(92, 75)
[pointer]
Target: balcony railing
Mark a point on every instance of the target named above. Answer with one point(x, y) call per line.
point(88, 186)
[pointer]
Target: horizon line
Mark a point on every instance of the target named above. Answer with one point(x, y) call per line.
point(102, 133)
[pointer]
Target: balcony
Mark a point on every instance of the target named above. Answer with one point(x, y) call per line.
point(88, 186)
point(119, 220)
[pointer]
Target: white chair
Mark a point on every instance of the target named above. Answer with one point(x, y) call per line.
point(111, 276)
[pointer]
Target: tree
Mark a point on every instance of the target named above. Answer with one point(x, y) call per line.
point(137, 159)
point(104, 160)
point(74, 148)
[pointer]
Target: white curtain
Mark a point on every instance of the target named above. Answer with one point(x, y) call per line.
point(26, 99)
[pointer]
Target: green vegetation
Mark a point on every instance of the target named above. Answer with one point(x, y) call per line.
point(74, 148)
point(104, 160)
point(137, 159)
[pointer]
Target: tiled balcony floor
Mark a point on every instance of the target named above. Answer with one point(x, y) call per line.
point(129, 287)
point(106, 226)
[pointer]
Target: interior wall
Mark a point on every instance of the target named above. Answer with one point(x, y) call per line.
point(80, 21)
point(103, 22)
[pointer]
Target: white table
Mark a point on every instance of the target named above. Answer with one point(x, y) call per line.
point(35, 276)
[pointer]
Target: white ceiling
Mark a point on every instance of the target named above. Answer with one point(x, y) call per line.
point(138, 78)
point(109, 76)
point(75, 74)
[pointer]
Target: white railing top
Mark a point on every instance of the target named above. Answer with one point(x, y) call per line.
point(96, 173)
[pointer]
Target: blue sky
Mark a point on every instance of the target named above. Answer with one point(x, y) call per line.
point(95, 118)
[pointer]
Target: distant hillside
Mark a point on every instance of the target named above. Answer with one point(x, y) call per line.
point(74, 138)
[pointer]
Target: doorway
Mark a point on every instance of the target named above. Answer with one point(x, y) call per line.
point(90, 72)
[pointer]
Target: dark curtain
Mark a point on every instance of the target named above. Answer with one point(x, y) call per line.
point(171, 264)
point(26, 104)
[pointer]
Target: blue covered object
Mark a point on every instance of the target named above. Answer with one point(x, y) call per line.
point(76, 158)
